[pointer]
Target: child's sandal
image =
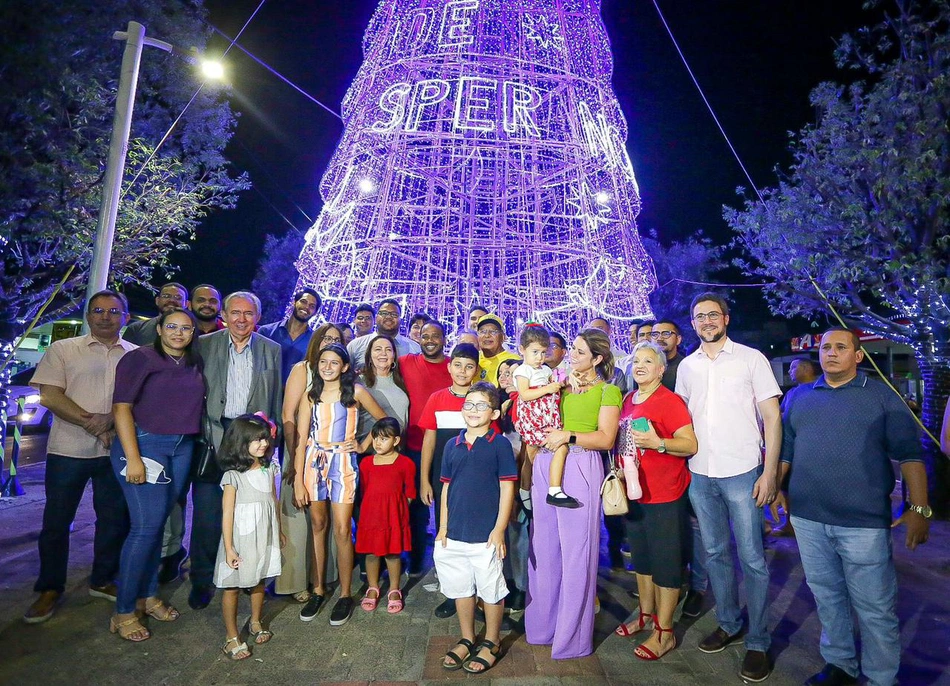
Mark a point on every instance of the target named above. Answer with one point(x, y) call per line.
point(261, 636)
point(394, 605)
point(493, 649)
point(238, 649)
point(367, 603)
point(457, 661)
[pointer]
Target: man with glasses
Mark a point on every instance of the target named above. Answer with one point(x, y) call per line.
point(363, 320)
point(728, 387)
point(491, 347)
point(666, 334)
point(171, 295)
point(75, 379)
point(242, 373)
point(293, 333)
point(557, 351)
point(387, 324)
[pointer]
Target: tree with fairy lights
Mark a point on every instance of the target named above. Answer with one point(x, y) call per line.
point(865, 208)
point(483, 158)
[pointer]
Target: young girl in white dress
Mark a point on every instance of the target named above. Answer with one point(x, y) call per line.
point(249, 552)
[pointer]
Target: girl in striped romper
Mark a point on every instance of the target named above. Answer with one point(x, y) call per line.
point(326, 469)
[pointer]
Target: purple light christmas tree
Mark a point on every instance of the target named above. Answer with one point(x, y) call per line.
point(483, 160)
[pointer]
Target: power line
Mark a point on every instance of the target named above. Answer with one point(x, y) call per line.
point(706, 101)
point(273, 71)
point(193, 97)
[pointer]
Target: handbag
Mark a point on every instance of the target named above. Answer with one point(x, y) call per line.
point(205, 462)
point(613, 494)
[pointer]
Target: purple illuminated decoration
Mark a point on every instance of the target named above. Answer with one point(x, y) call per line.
point(483, 159)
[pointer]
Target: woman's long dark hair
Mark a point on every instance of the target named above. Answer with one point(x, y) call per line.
point(347, 378)
point(369, 371)
point(192, 356)
point(244, 430)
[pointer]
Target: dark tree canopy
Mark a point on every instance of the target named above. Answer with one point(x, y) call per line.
point(864, 209)
point(60, 67)
point(276, 276)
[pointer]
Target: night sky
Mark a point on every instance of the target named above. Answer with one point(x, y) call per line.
point(757, 60)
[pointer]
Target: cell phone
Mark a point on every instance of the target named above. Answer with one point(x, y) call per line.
point(640, 424)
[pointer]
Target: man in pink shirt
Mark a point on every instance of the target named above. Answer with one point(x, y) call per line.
point(75, 380)
point(729, 388)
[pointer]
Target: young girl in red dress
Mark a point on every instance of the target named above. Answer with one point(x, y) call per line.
point(388, 480)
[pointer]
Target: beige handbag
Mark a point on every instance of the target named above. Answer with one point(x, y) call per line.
point(614, 494)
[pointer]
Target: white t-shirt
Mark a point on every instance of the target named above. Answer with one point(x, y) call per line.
point(536, 377)
point(722, 394)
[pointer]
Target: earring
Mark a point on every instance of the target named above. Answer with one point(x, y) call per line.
point(392, 366)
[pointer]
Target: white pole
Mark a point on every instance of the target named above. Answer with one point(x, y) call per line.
point(134, 38)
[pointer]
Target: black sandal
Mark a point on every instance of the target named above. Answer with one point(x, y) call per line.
point(458, 662)
point(494, 649)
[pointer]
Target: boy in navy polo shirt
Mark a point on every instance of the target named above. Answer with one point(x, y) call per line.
point(479, 474)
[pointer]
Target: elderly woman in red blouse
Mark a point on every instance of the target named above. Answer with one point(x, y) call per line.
point(656, 432)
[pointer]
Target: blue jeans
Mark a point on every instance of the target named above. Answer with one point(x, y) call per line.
point(846, 568)
point(66, 479)
point(719, 503)
point(149, 505)
point(693, 552)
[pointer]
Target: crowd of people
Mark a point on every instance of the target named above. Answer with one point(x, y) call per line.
point(286, 436)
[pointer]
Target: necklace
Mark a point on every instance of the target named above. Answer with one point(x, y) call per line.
point(176, 360)
point(643, 395)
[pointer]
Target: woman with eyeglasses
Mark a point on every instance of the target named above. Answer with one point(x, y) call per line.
point(157, 403)
point(297, 558)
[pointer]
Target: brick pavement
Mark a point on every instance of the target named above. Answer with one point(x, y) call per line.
point(74, 647)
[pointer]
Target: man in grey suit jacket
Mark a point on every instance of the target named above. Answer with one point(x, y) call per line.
point(242, 375)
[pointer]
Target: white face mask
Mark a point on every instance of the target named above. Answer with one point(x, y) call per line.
point(154, 471)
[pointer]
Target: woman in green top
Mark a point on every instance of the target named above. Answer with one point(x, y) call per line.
point(565, 543)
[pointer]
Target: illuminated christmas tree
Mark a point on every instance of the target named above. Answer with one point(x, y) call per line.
point(483, 159)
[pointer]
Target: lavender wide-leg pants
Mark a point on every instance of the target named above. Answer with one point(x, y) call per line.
point(562, 561)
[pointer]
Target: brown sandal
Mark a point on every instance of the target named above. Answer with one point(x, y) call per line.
point(162, 612)
point(127, 627)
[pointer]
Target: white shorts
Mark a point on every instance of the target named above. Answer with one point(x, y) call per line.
point(469, 569)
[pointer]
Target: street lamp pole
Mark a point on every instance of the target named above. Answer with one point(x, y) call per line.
point(134, 37)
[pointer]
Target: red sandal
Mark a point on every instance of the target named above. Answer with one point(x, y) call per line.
point(622, 630)
point(646, 653)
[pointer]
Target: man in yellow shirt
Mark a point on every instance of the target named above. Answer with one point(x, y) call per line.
point(491, 339)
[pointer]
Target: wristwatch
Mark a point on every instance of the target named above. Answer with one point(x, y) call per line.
point(573, 439)
point(923, 510)
point(662, 447)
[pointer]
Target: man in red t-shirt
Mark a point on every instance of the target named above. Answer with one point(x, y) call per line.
point(423, 374)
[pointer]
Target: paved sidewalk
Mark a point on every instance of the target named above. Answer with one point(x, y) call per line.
point(75, 647)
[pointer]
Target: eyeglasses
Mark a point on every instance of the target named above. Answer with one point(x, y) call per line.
point(555, 345)
point(387, 315)
point(661, 334)
point(112, 311)
point(712, 317)
point(364, 318)
point(485, 331)
point(168, 296)
point(331, 339)
point(478, 407)
point(176, 327)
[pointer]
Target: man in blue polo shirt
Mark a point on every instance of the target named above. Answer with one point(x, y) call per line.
point(293, 334)
point(840, 434)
